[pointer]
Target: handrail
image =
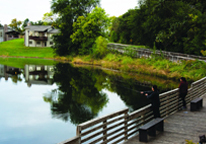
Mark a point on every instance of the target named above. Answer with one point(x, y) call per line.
point(147, 52)
point(120, 126)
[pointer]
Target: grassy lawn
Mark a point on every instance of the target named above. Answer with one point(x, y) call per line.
point(16, 48)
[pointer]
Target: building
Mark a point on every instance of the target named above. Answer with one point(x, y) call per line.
point(7, 71)
point(1, 34)
point(39, 74)
point(6, 33)
point(39, 36)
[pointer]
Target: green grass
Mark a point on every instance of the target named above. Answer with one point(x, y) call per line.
point(16, 48)
point(21, 62)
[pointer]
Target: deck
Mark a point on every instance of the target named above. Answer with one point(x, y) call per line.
point(181, 126)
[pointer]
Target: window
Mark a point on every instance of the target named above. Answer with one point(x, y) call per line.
point(1, 35)
point(38, 43)
point(51, 43)
point(30, 42)
point(38, 68)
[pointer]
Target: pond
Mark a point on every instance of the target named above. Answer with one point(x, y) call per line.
point(43, 103)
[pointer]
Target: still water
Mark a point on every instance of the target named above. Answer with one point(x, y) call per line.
point(42, 104)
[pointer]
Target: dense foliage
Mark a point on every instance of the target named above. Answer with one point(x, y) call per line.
point(69, 11)
point(15, 25)
point(171, 25)
point(87, 29)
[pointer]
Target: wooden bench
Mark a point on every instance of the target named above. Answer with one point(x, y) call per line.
point(150, 129)
point(195, 104)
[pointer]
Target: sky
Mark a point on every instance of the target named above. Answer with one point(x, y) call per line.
point(35, 9)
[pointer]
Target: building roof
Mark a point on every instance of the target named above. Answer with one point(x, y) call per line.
point(39, 28)
point(12, 32)
point(54, 31)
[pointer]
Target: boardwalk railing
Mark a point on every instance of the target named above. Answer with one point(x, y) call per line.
point(143, 52)
point(120, 126)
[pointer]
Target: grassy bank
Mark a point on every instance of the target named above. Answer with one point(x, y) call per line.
point(192, 70)
point(21, 62)
point(16, 48)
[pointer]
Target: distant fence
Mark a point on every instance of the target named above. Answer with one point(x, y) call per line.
point(120, 126)
point(143, 52)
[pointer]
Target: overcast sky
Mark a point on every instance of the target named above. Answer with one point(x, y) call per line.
point(34, 9)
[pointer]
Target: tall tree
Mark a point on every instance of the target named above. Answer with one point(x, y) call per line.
point(25, 23)
point(87, 29)
point(50, 18)
point(37, 23)
point(69, 11)
point(171, 25)
point(15, 25)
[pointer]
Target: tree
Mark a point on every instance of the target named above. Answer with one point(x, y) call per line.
point(171, 25)
point(87, 29)
point(37, 23)
point(69, 11)
point(25, 23)
point(15, 25)
point(50, 18)
point(114, 33)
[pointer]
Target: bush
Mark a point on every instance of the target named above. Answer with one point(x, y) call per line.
point(100, 47)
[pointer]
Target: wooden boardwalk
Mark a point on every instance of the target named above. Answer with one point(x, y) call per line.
point(181, 126)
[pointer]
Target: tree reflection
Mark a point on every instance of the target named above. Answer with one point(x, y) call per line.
point(79, 95)
point(76, 98)
point(128, 91)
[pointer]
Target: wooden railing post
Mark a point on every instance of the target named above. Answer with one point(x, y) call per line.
point(78, 133)
point(105, 132)
point(126, 124)
point(167, 106)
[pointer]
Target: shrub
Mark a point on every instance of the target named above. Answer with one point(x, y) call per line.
point(100, 47)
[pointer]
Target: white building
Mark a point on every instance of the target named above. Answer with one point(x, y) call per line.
point(39, 36)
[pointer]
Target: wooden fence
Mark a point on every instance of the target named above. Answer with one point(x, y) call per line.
point(143, 52)
point(121, 125)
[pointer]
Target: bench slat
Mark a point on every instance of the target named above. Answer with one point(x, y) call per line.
point(196, 100)
point(151, 123)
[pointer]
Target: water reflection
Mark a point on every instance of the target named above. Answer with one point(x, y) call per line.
point(76, 98)
point(80, 93)
point(43, 103)
point(39, 74)
point(12, 72)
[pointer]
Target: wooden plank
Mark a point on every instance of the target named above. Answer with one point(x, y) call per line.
point(114, 137)
point(74, 140)
point(178, 127)
point(103, 125)
point(101, 119)
point(139, 112)
point(102, 131)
